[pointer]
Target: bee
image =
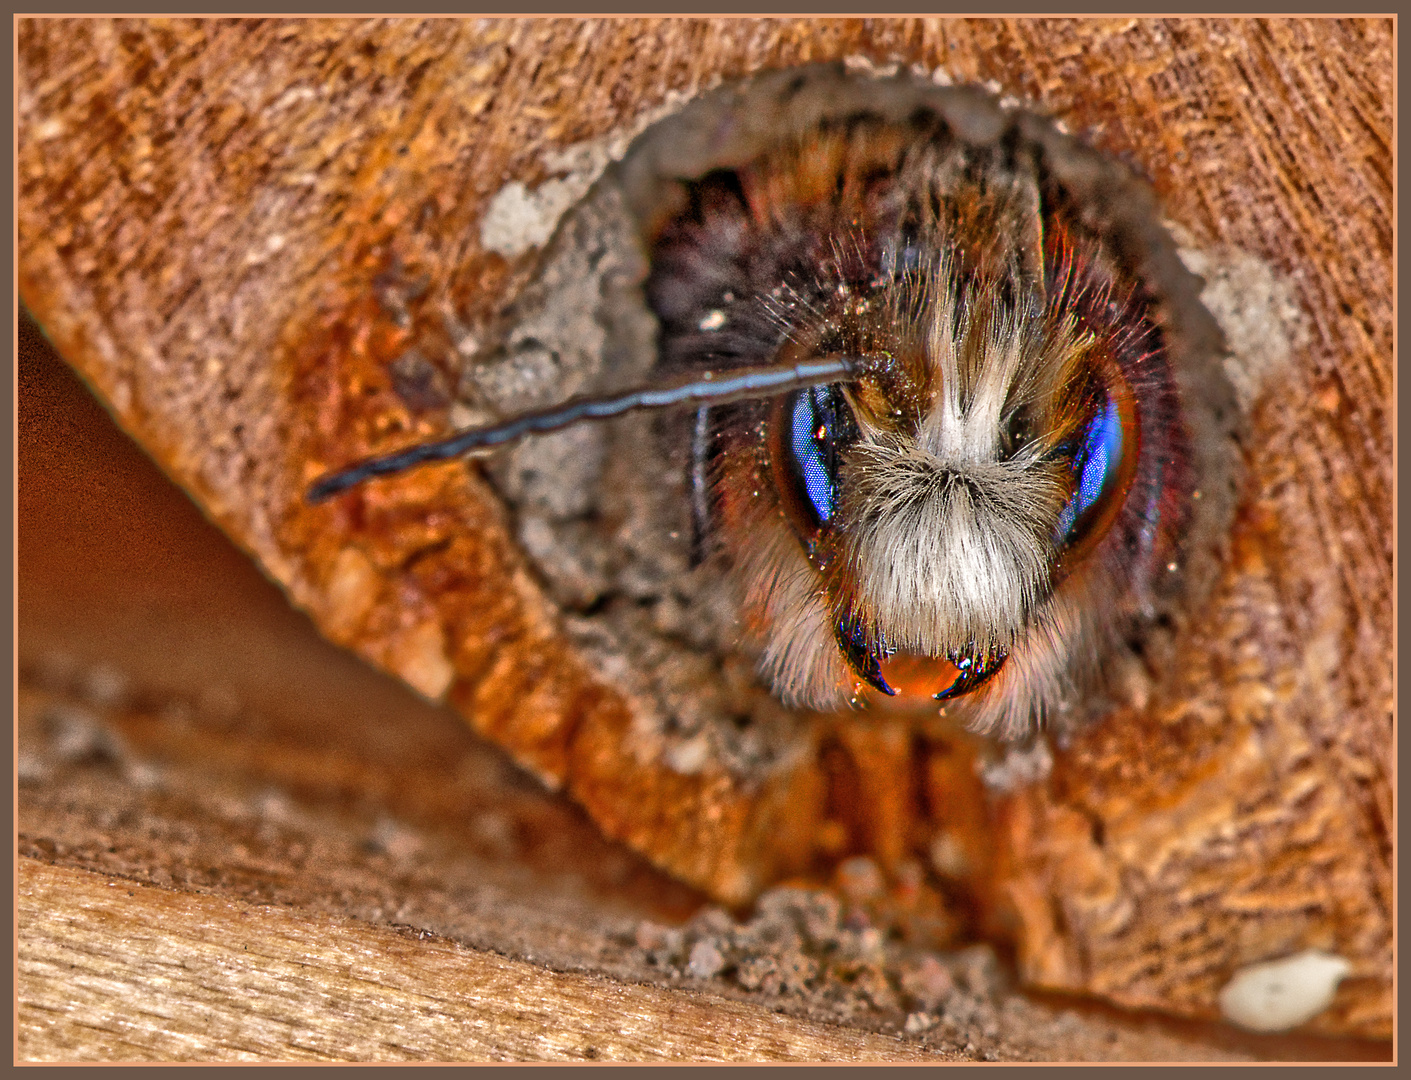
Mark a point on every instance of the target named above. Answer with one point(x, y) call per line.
point(938, 441)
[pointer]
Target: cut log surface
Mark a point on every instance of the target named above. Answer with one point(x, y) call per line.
point(188, 742)
point(234, 228)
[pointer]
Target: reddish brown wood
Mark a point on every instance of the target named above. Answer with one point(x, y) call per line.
point(217, 218)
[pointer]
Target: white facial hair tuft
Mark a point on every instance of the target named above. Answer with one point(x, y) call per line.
point(948, 554)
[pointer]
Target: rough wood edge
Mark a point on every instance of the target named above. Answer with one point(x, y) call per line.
point(112, 970)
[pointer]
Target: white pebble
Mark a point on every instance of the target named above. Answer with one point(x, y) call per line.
point(1281, 994)
point(705, 960)
point(918, 1022)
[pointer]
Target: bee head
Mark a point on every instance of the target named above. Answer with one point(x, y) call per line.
point(942, 496)
point(937, 439)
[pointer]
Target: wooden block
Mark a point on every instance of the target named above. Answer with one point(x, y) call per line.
point(112, 971)
point(234, 228)
point(183, 733)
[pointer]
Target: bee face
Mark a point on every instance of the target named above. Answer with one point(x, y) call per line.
point(969, 518)
point(938, 455)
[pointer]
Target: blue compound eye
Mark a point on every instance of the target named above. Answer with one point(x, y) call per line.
point(810, 430)
point(1103, 464)
point(814, 452)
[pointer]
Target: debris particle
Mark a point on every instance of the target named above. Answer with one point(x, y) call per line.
point(393, 838)
point(916, 1023)
point(31, 768)
point(495, 833)
point(689, 756)
point(104, 686)
point(1019, 766)
point(144, 775)
point(802, 949)
point(928, 982)
point(273, 805)
point(1282, 994)
point(77, 735)
point(861, 880)
point(653, 938)
point(706, 960)
point(948, 856)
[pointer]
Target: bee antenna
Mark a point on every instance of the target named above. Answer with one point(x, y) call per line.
point(710, 388)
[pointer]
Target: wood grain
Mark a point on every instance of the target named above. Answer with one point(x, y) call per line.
point(180, 727)
point(114, 971)
point(233, 227)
